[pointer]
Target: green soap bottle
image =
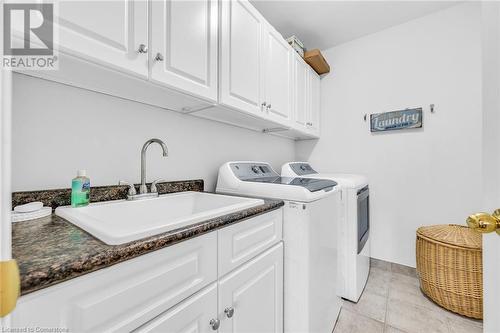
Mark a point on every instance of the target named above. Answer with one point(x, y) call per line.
point(80, 190)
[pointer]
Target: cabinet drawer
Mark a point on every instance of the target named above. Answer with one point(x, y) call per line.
point(126, 295)
point(192, 315)
point(243, 241)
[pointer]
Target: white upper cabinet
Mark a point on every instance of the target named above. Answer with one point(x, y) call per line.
point(256, 69)
point(277, 75)
point(313, 116)
point(241, 56)
point(216, 59)
point(109, 33)
point(184, 45)
point(301, 86)
point(306, 100)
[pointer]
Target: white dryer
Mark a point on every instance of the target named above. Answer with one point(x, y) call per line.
point(354, 228)
point(310, 219)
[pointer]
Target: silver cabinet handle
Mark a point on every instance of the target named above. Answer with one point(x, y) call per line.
point(215, 323)
point(143, 48)
point(229, 311)
point(159, 57)
point(131, 187)
point(154, 189)
point(269, 106)
point(263, 104)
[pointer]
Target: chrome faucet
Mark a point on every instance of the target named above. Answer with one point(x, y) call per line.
point(143, 189)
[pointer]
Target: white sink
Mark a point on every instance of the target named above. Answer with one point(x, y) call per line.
point(122, 221)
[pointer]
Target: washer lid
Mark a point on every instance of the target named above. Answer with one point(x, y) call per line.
point(259, 179)
point(311, 184)
point(345, 180)
point(304, 169)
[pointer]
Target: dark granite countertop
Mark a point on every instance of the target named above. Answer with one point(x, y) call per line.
point(51, 250)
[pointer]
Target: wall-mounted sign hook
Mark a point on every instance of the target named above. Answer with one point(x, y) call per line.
point(432, 108)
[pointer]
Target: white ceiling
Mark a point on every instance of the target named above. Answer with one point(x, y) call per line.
point(323, 24)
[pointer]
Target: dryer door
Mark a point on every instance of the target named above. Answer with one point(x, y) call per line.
point(363, 217)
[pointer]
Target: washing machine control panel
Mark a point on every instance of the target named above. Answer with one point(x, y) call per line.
point(302, 169)
point(245, 171)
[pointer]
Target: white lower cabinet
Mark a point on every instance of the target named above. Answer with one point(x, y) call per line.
point(250, 300)
point(175, 289)
point(251, 297)
point(243, 241)
point(122, 297)
point(192, 315)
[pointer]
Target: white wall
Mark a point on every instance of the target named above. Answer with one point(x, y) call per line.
point(491, 103)
point(58, 129)
point(491, 158)
point(417, 177)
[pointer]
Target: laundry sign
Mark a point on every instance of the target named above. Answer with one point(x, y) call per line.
point(396, 120)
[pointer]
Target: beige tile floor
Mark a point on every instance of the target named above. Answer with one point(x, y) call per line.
point(393, 303)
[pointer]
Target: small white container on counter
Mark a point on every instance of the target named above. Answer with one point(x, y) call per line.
point(30, 211)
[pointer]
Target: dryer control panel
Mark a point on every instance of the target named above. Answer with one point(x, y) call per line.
point(258, 172)
point(245, 171)
point(302, 169)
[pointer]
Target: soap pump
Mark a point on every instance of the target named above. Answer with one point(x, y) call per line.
point(80, 189)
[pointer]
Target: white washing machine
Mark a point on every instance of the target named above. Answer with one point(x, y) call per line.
point(354, 228)
point(310, 219)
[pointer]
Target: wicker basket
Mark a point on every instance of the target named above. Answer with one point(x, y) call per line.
point(450, 268)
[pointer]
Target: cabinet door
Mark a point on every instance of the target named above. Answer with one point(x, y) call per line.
point(184, 45)
point(300, 92)
point(255, 293)
point(278, 75)
point(314, 106)
point(192, 315)
point(241, 56)
point(107, 32)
